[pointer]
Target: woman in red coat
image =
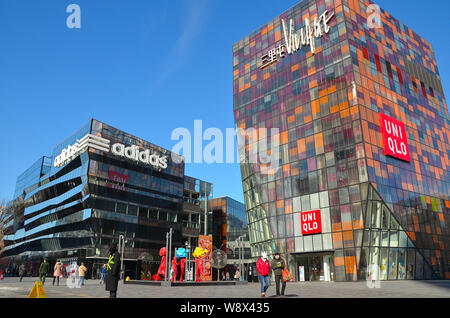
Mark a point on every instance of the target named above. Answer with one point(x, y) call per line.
point(263, 268)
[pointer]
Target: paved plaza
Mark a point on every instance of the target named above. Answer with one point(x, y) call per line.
point(11, 287)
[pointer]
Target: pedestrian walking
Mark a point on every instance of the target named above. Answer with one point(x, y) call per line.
point(57, 272)
point(112, 272)
point(43, 271)
point(81, 272)
point(102, 274)
point(22, 271)
point(63, 270)
point(263, 269)
point(278, 265)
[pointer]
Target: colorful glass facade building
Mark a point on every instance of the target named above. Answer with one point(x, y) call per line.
point(322, 73)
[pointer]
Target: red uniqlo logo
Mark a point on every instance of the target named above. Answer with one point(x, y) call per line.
point(311, 222)
point(395, 143)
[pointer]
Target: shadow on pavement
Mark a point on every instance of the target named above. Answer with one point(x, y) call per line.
point(285, 296)
point(435, 283)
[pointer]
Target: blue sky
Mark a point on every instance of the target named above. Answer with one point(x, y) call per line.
point(145, 67)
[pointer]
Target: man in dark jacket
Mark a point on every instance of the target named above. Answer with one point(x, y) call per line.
point(112, 272)
point(278, 265)
point(43, 270)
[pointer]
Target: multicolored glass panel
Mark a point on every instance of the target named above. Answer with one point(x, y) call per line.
point(326, 107)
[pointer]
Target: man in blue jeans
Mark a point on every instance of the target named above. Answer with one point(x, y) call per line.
point(102, 274)
point(263, 268)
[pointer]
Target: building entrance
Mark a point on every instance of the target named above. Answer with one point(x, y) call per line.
point(315, 267)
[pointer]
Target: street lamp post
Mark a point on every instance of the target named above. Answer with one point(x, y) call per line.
point(187, 265)
point(169, 261)
point(121, 249)
point(167, 248)
point(240, 244)
point(242, 258)
point(168, 253)
point(206, 212)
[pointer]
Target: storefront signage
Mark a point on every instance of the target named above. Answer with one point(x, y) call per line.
point(311, 222)
point(81, 145)
point(395, 143)
point(294, 40)
point(144, 156)
point(132, 152)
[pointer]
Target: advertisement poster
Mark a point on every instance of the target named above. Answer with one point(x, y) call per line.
point(206, 242)
point(118, 181)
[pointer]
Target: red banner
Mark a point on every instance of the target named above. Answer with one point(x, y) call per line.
point(395, 143)
point(118, 181)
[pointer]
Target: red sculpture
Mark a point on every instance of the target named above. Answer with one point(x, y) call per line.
point(175, 269)
point(199, 254)
point(162, 267)
point(182, 265)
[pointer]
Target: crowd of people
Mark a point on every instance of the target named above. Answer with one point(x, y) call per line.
point(60, 270)
point(110, 273)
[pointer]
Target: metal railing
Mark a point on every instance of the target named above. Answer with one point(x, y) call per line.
point(190, 225)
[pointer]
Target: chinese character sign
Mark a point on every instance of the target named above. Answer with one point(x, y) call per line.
point(395, 143)
point(272, 56)
point(311, 222)
point(118, 180)
point(294, 40)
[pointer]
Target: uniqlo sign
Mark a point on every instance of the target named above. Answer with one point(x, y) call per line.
point(311, 222)
point(395, 143)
